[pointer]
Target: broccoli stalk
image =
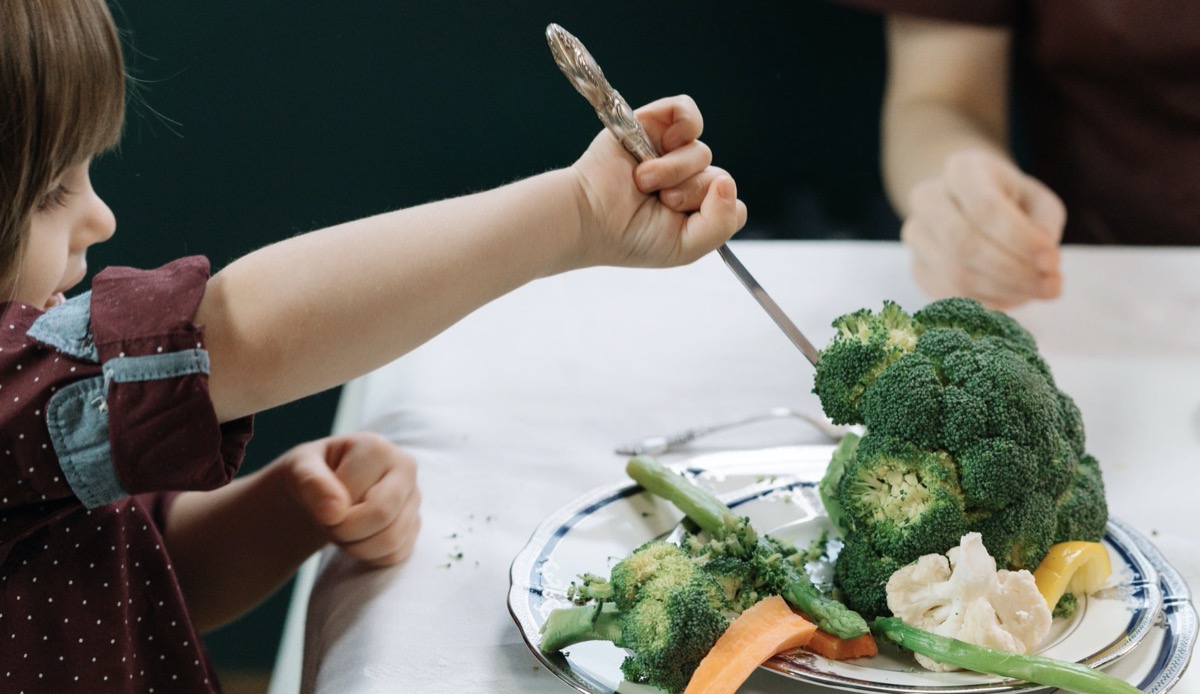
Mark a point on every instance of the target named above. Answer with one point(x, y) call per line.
point(705, 510)
point(567, 626)
point(712, 516)
point(1031, 668)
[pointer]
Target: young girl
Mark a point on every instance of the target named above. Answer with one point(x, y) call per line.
point(124, 411)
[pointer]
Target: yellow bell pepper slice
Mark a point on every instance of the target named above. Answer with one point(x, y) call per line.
point(1075, 567)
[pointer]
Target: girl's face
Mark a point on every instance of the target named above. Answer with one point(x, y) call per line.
point(68, 220)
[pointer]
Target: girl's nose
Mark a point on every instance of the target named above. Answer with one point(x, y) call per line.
point(97, 222)
point(100, 222)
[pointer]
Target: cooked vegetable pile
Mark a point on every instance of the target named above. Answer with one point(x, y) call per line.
point(668, 604)
point(966, 432)
point(674, 608)
point(973, 459)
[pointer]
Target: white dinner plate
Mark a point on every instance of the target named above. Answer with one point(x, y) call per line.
point(1141, 627)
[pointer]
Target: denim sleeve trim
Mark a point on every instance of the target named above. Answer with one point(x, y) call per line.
point(77, 418)
point(67, 328)
point(155, 366)
point(78, 421)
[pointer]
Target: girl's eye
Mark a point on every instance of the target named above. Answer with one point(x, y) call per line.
point(57, 197)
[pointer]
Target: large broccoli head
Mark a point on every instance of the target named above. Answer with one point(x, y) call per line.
point(966, 431)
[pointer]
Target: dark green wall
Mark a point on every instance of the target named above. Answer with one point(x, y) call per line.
point(254, 121)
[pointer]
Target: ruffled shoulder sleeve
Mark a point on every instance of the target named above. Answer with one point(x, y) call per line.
point(147, 422)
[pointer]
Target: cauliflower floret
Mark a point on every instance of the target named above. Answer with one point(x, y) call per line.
point(963, 596)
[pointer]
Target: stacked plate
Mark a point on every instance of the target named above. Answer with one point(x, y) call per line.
point(1141, 627)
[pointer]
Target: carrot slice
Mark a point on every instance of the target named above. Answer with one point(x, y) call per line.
point(829, 646)
point(764, 629)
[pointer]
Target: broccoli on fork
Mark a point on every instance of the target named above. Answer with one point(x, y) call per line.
point(865, 344)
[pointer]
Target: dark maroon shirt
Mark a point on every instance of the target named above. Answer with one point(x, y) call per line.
point(1108, 94)
point(104, 412)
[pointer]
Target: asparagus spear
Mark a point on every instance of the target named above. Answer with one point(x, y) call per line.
point(1031, 668)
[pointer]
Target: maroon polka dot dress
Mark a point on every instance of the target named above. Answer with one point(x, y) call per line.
point(104, 415)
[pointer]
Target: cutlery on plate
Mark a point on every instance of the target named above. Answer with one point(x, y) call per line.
point(657, 445)
point(582, 70)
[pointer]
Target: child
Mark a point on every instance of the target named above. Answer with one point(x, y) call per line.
point(124, 411)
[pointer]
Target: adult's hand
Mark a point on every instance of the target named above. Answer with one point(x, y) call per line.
point(984, 229)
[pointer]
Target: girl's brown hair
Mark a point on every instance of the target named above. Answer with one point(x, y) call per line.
point(62, 100)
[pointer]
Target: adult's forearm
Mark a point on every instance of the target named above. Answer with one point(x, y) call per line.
point(314, 311)
point(947, 91)
point(919, 136)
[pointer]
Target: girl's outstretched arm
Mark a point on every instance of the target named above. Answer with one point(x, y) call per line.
point(317, 310)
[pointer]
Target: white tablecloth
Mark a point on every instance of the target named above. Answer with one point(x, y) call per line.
point(514, 412)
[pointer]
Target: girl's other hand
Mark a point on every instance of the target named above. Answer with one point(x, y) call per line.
point(362, 490)
point(663, 212)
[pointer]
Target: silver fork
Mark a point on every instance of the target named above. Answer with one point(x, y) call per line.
point(657, 445)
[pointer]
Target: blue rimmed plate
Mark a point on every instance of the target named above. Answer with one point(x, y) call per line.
point(1129, 628)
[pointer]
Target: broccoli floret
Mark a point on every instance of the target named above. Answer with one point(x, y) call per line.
point(1081, 512)
point(939, 342)
point(666, 610)
point(864, 345)
point(1066, 606)
point(589, 587)
point(828, 487)
point(775, 565)
point(669, 603)
point(977, 321)
point(1019, 535)
point(907, 400)
point(861, 574)
point(669, 638)
point(817, 548)
point(1057, 468)
point(966, 419)
point(1019, 403)
point(737, 538)
point(995, 473)
point(653, 564)
point(1072, 424)
point(904, 500)
point(736, 578)
point(950, 399)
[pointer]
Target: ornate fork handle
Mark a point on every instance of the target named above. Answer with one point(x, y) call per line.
point(582, 70)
